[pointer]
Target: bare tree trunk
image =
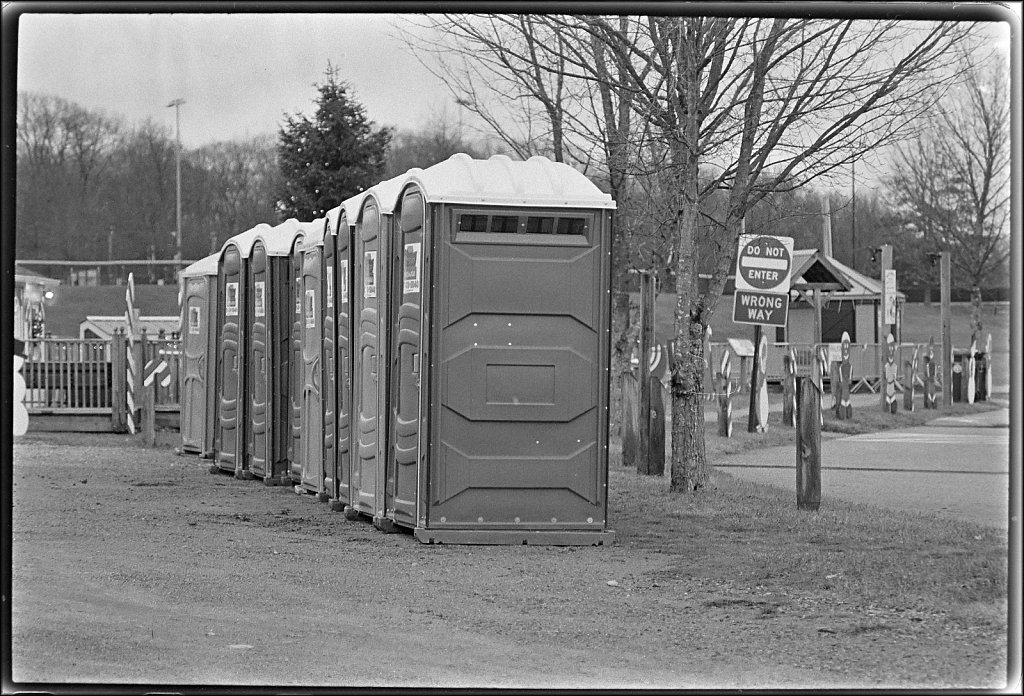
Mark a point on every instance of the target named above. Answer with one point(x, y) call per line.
point(689, 457)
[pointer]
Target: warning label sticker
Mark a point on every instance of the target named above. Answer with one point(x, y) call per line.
point(310, 309)
point(193, 320)
point(411, 276)
point(343, 280)
point(231, 300)
point(330, 286)
point(370, 274)
point(259, 301)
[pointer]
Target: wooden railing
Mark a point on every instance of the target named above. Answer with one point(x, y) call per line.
point(71, 376)
point(67, 374)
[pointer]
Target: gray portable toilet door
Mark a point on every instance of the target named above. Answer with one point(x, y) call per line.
point(295, 365)
point(521, 388)
point(195, 325)
point(366, 288)
point(343, 378)
point(406, 299)
point(328, 362)
point(258, 387)
point(312, 377)
point(232, 287)
point(209, 332)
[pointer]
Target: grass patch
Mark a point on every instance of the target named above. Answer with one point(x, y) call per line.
point(873, 419)
point(744, 534)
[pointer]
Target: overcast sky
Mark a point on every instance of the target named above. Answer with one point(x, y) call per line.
point(238, 73)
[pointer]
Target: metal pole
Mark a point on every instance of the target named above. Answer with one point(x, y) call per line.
point(883, 329)
point(754, 369)
point(853, 217)
point(177, 166)
point(177, 161)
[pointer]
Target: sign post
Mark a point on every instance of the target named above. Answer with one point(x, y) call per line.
point(764, 265)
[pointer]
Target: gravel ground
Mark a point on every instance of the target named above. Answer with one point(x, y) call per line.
point(135, 566)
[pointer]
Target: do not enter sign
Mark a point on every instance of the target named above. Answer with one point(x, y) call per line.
point(764, 263)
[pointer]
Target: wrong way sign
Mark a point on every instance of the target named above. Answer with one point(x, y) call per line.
point(764, 266)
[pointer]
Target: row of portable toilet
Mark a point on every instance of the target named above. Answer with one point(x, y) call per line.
point(433, 354)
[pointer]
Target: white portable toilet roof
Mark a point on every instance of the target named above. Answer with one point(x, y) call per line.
point(385, 193)
point(245, 240)
point(499, 180)
point(313, 233)
point(332, 220)
point(278, 240)
point(206, 266)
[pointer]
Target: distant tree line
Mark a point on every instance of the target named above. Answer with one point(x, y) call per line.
point(91, 186)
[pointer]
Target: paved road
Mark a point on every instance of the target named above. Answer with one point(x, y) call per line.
point(955, 466)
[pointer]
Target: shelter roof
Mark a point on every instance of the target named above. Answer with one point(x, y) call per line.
point(23, 276)
point(105, 326)
point(860, 285)
point(205, 266)
point(500, 180)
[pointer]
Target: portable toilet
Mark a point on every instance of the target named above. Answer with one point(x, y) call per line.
point(373, 209)
point(295, 360)
point(312, 385)
point(499, 427)
point(232, 334)
point(329, 357)
point(337, 356)
point(198, 288)
point(269, 308)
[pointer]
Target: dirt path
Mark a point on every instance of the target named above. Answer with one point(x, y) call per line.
point(136, 566)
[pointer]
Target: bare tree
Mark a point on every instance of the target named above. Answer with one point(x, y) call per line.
point(440, 137)
point(746, 106)
point(952, 182)
point(752, 106)
point(238, 184)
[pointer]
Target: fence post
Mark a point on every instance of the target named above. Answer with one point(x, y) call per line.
point(149, 417)
point(657, 428)
point(140, 362)
point(118, 382)
point(629, 418)
point(808, 445)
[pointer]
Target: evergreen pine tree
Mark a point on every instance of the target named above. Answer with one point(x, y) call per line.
point(330, 158)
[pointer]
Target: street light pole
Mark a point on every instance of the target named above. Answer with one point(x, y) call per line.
point(177, 161)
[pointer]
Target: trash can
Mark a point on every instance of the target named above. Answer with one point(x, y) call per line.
point(981, 381)
point(498, 427)
point(198, 284)
point(960, 359)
